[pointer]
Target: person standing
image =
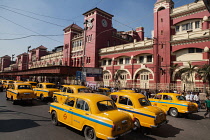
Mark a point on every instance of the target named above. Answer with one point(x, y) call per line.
point(191, 97)
point(187, 96)
point(207, 102)
point(197, 100)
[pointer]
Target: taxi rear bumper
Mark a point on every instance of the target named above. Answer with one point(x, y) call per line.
point(160, 124)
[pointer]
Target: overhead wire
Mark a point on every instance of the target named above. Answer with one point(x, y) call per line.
point(27, 37)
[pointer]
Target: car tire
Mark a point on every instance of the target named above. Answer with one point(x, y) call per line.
point(42, 97)
point(54, 118)
point(7, 97)
point(89, 133)
point(173, 112)
point(14, 102)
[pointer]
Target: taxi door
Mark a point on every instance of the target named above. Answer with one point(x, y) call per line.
point(81, 113)
point(9, 91)
point(156, 101)
point(68, 108)
point(125, 104)
point(166, 102)
point(37, 90)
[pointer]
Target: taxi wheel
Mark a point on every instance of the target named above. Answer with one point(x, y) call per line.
point(137, 124)
point(7, 97)
point(89, 133)
point(54, 118)
point(173, 112)
point(42, 97)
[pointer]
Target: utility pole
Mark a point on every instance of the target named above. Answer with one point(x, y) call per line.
point(83, 58)
point(27, 58)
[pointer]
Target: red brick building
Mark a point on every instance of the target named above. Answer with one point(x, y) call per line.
point(181, 36)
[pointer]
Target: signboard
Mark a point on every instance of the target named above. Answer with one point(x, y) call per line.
point(78, 75)
point(93, 72)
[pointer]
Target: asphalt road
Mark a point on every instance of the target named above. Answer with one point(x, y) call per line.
point(32, 122)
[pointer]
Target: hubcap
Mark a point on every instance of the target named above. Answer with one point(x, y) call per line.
point(174, 112)
point(90, 134)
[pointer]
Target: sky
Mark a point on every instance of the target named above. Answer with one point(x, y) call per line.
point(33, 23)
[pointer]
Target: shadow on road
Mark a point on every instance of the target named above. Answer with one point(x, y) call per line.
point(166, 131)
point(192, 116)
point(16, 125)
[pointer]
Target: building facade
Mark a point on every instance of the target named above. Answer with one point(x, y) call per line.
point(181, 38)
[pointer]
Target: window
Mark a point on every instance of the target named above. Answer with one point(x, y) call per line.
point(141, 59)
point(127, 60)
point(108, 43)
point(187, 26)
point(167, 97)
point(109, 62)
point(177, 28)
point(198, 50)
point(144, 102)
point(104, 62)
point(114, 98)
point(149, 58)
point(195, 50)
point(81, 104)
point(69, 90)
point(158, 97)
point(106, 105)
point(70, 101)
point(197, 24)
point(125, 101)
point(63, 89)
point(121, 61)
point(50, 86)
point(191, 50)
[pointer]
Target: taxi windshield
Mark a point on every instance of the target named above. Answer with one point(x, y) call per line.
point(10, 82)
point(24, 87)
point(106, 105)
point(83, 90)
point(50, 86)
point(144, 102)
point(33, 84)
point(181, 98)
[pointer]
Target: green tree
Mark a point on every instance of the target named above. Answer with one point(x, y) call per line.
point(187, 72)
point(204, 73)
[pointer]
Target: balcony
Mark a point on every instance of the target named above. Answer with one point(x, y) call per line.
point(191, 35)
point(128, 46)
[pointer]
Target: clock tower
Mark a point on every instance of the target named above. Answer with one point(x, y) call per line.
point(98, 34)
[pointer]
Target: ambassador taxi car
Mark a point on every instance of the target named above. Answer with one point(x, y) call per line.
point(137, 104)
point(33, 84)
point(94, 114)
point(45, 90)
point(104, 91)
point(19, 92)
point(173, 103)
point(7, 83)
point(68, 90)
point(127, 90)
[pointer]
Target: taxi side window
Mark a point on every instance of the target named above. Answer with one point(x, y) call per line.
point(125, 101)
point(40, 86)
point(114, 98)
point(158, 97)
point(63, 89)
point(69, 90)
point(70, 101)
point(81, 104)
point(167, 97)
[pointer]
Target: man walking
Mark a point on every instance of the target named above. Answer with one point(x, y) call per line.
point(207, 102)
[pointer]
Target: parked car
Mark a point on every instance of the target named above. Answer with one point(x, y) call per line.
point(104, 91)
point(33, 84)
point(94, 114)
point(6, 83)
point(20, 92)
point(68, 90)
point(173, 104)
point(140, 107)
point(45, 90)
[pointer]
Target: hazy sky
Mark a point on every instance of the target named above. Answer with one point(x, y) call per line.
point(32, 20)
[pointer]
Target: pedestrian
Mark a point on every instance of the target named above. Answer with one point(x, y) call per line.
point(191, 96)
point(187, 96)
point(197, 100)
point(207, 103)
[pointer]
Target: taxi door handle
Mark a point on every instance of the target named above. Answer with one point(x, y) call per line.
point(87, 114)
point(130, 108)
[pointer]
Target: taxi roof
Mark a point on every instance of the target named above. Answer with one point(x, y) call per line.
point(47, 83)
point(75, 86)
point(30, 82)
point(21, 84)
point(130, 94)
point(173, 94)
point(91, 96)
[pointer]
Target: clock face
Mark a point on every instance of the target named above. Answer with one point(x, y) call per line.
point(104, 23)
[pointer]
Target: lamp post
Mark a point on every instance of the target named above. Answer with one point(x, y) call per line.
point(27, 57)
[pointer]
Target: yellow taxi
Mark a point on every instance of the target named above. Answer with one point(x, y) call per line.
point(127, 90)
point(7, 83)
point(137, 104)
point(173, 103)
point(45, 90)
point(33, 84)
point(19, 92)
point(68, 90)
point(94, 114)
point(104, 91)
